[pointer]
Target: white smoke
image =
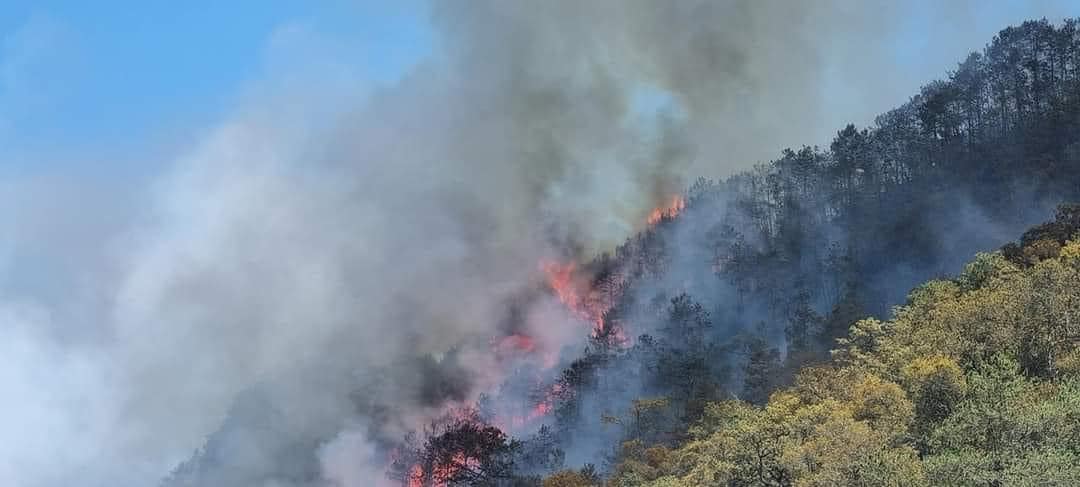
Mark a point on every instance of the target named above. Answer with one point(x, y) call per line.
point(315, 234)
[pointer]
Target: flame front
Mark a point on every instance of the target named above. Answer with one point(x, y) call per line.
point(676, 205)
point(542, 408)
point(441, 473)
point(515, 343)
point(575, 293)
point(584, 299)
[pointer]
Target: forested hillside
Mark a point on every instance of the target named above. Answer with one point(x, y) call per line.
point(759, 274)
point(976, 381)
point(749, 335)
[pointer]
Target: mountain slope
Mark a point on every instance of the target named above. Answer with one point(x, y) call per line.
point(976, 381)
point(767, 268)
point(745, 288)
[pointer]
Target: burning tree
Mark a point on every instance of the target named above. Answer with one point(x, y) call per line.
point(458, 448)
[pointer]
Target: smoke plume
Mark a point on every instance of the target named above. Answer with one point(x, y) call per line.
point(313, 252)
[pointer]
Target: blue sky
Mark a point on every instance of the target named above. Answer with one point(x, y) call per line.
point(110, 78)
point(82, 82)
point(100, 99)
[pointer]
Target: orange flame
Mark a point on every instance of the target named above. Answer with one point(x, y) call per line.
point(442, 474)
point(574, 293)
point(542, 408)
point(562, 280)
point(515, 343)
point(522, 345)
point(416, 476)
point(575, 290)
point(672, 210)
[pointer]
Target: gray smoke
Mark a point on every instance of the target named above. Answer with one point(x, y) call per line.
point(312, 238)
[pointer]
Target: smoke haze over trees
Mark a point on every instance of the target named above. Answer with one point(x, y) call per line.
point(750, 278)
point(776, 263)
point(435, 285)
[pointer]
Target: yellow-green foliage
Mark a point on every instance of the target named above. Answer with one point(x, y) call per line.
point(790, 442)
point(993, 307)
point(973, 382)
point(568, 478)
point(1070, 253)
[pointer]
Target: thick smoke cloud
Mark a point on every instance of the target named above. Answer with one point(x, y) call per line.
point(309, 240)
